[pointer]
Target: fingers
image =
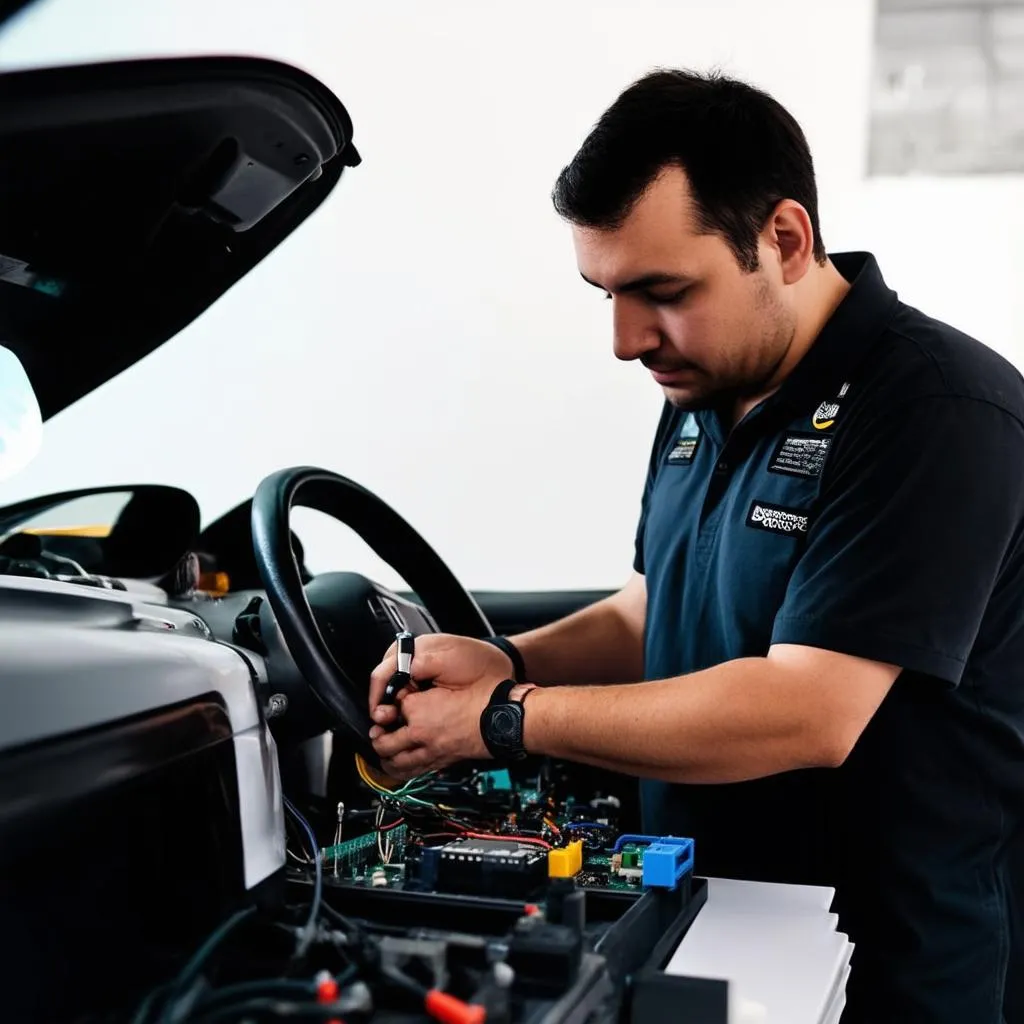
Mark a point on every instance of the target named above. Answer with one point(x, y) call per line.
point(409, 763)
point(384, 715)
point(387, 716)
point(381, 674)
point(390, 744)
point(425, 666)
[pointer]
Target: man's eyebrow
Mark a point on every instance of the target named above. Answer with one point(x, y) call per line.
point(650, 280)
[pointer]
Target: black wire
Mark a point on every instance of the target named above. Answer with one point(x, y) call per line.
point(266, 987)
point(147, 1004)
point(191, 970)
point(403, 981)
point(346, 922)
point(278, 1008)
point(309, 932)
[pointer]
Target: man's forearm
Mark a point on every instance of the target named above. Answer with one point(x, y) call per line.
point(736, 721)
point(597, 644)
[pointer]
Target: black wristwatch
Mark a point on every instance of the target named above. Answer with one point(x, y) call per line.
point(501, 723)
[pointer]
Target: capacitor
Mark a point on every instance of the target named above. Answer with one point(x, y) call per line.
point(337, 834)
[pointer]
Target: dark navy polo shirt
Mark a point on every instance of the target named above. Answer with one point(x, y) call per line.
point(874, 505)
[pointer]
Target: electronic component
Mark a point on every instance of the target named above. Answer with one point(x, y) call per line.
point(627, 865)
point(499, 780)
point(566, 904)
point(566, 861)
point(667, 862)
point(340, 812)
point(545, 957)
point(353, 856)
point(482, 867)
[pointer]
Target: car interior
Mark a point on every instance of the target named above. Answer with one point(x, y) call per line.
point(193, 823)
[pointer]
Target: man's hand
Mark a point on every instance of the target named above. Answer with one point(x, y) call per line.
point(442, 724)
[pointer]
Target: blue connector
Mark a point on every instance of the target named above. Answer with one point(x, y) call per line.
point(667, 861)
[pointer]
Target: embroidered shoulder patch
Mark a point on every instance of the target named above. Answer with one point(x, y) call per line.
point(778, 519)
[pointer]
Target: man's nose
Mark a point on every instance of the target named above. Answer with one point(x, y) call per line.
point(635, 331)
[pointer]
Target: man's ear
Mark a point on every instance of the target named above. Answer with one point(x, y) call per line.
point(790, 234)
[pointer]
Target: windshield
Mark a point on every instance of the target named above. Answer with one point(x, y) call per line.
point(396, 337)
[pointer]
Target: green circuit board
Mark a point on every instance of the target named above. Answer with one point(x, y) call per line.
point(495, 809)
point(357, 861)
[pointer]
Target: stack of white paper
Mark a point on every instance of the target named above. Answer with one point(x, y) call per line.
point(776, 945)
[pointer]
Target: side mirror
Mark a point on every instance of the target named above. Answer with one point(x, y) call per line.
point(21, 423)
point(136, 531)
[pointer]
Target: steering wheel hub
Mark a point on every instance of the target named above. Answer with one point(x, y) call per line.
point(338, 626)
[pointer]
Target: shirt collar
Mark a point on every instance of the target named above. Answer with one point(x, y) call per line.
point(834, 357)
point(848, 335)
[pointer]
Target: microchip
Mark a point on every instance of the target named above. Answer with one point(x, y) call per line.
point(488, 867)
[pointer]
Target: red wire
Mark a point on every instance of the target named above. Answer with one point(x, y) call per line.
point(463, 834)
point(514, 838)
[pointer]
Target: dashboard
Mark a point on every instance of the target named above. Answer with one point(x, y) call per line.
point(145, 539)
point(270, 869)
point(160, 880)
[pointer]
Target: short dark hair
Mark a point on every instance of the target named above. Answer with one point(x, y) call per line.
point(742, 152)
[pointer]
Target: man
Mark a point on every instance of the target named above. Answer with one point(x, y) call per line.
point(827, 607)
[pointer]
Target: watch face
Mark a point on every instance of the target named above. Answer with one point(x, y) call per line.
point(504, 729)
point(505, 725)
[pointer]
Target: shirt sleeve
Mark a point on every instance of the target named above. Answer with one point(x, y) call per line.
point(917, 519)
point(657, 449)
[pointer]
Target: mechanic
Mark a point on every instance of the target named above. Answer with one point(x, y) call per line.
point(817, 667)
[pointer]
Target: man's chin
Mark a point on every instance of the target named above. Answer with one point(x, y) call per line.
point(688, 399)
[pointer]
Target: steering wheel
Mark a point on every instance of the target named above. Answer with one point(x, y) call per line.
point(338, 626)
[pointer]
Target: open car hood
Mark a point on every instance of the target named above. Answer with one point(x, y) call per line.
point(134, 194)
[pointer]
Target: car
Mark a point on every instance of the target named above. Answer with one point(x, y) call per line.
point(185, 705)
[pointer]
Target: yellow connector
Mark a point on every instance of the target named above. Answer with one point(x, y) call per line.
point(566, 861)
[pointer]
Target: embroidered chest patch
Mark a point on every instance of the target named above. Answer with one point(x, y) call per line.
point(685, 446)
point(778, 519)
point(801, 455)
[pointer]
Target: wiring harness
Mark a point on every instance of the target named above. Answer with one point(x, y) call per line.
point(330, 968)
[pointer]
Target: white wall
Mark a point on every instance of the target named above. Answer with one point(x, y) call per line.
point(426, 332)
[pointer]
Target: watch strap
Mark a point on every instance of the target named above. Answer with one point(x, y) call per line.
point(501, 692)
point(508, 648)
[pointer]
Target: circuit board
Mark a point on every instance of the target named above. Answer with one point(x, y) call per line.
point(491, 835)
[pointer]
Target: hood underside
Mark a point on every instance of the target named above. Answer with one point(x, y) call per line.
point(134, 194)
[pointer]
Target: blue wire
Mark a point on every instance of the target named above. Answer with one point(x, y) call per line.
point(310, 930)
point(636, 839)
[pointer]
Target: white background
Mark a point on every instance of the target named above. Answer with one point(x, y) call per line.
point(426, 332)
